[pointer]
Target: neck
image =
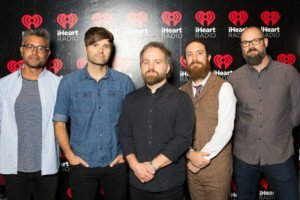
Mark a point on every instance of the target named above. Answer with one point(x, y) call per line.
point(154, 87)
point(197, 81)
point(262, 65)
point(31, 73)
point(96, 71)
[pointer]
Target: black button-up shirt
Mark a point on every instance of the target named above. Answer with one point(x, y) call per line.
point(268, 107)
point(159, 123)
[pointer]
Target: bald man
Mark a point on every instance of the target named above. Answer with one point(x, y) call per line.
point(268, 108)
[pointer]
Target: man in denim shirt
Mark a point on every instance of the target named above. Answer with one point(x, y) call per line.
point(92, 99)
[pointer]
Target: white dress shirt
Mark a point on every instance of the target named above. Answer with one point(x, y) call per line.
point(226, 115)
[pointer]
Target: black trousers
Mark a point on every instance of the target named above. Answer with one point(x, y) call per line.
point(23, 185)
point(172, 194)
point(113, 180)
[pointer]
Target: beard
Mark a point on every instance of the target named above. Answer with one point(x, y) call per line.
point(200, 71)
point(254, 60)
point(152, 79)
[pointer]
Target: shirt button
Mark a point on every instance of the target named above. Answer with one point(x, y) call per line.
point(101, 134)
point(150, 110)
point(260, 100)
point(150, 126)
point(150, 142)
point(99, 107)
point(259, 138)
point(260, 126)
point(259, 88)
point(260, 113)
point(98, 94)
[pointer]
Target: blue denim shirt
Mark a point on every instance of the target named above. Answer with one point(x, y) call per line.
point(94, 109)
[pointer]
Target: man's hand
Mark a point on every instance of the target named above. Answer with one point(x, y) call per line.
point(143, 171)
point(76, 160)
point(192, 168)
point(117, 160)
point(198, 160)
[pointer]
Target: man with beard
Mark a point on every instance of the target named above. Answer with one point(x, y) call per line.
point(156, 129)
point(29, 154)
point(268, 107)
point(92, 98)
point(210, 156)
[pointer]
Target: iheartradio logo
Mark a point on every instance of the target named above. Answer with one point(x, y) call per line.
point(33, 21)
point(238, 18)
point(81, 63)
point(137, 18)
point(67, 19)
point(183, 62)
point(13, 65)
point(168, 17)
point(287, 58)
point(264, 183)
point(205, 18)
point(270, 18)
point(223, 61)
point(55, 65)
point(101, 19)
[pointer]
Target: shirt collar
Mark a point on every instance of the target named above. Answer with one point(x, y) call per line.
point(42, 74)
point(158, 90)
point(84, 75)
point(264, 69)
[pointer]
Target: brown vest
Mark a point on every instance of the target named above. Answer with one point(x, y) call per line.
point(206, 112)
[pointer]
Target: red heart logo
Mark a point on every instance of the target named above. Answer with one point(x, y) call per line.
point(35, 20)
point(64, 19)
point(264, 183)
point(13, 66)
point(81, 63)
point(168, 17)
point(55, 66)
point(287, 58)
point(205, 17)
point(238, 18)
point(122, 63)
point(69, 192)
point(223, 61)
point(183, 62)
point(137, 19)
point(270, 17)
point(101, 19)
point(233, 185)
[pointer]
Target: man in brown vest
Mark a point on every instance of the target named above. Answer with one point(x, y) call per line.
point(210, 157)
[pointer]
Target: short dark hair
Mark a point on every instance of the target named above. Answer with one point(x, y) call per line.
point(43, 33)
point(198, 41)
point(95, 34)
point(164, 49)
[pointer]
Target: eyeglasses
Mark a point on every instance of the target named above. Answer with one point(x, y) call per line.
point(31, 48)
point(255, 41)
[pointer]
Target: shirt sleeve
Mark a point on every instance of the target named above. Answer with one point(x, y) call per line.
point(61, 109)
point(184, 130)
point(125, 130)
point(226, 115)
point(295, 96)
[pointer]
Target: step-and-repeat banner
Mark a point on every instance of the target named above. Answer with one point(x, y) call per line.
point(136, 22)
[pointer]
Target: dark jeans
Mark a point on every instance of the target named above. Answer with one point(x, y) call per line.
point(282, 178)
point(22, 186)
point(84, 182)
point(173, 194)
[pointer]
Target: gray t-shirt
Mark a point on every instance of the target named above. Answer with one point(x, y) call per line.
point(28, 111)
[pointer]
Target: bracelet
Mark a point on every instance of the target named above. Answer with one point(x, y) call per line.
point(152, 166)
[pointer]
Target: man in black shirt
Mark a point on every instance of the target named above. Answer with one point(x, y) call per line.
point(156, 129)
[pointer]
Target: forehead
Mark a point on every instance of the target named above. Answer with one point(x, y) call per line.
point(153, 53)
point(250, 34)
point(35, 40)
point(195, 46)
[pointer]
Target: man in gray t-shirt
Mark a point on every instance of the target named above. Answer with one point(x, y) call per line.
point(29, 153)
point(268, 107)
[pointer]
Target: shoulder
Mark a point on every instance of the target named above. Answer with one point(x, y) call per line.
point(186, 86)
point(8, 78)
point(119, 75)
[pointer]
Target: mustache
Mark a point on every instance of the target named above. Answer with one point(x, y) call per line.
point(252, 49)
point(196, 62)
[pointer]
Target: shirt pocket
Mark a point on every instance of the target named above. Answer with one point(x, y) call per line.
point(82, 102)
point(115, 100)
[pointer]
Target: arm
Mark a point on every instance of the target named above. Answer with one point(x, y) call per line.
point(184, 130)
point(295, 96)
point(224, 129)
point(63, 139)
